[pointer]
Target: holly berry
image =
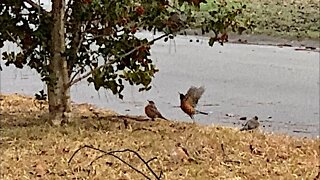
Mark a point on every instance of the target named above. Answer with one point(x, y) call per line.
point(123, 21)
point(86, 1)
point(139, 10)
point(133, 30)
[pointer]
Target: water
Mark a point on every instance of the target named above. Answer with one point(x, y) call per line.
point(245, 80)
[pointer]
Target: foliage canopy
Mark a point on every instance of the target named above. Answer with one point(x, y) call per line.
point(101, 41)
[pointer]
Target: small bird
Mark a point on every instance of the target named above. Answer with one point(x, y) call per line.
point(174, 23)
point(251, 124)
point(189, 101)
point(152, 111)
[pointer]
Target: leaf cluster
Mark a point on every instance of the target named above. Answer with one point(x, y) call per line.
point(101, 40)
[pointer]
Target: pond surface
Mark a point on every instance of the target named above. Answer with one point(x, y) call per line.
point(279, 85)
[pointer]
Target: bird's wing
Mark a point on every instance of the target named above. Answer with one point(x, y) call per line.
point(155, 111)
point(246, 126)
point(252, 124)
point(193, 95)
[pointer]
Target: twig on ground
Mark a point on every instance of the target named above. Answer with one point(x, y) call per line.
point(145, 129)
point(151, 159)
point(134, 118)
point(226, 158)
point(111, 153)
point(41, 104)
point(223, 151)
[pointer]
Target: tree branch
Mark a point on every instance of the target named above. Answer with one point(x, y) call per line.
point(39, 12)
point(75, 75)
point(76, 42)
point(14, 40)
point(111, 153)
point(67, 10)
point(36, 6)
point(72, 82)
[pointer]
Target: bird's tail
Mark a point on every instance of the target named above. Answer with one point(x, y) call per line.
point(200, 112)
point(163, 118)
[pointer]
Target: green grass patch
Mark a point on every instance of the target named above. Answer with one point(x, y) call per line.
point(285, 18)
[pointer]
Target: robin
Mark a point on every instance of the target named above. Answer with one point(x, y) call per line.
point(251, 124)
point(152, 111)
point(189, 101)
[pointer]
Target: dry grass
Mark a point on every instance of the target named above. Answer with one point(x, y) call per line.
point(32, 149)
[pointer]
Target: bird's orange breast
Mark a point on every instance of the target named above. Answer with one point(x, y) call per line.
point(187, 108)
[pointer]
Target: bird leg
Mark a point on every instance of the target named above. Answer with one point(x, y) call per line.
point(193, 121)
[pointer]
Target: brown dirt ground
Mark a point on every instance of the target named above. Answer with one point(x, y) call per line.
point(30, 148)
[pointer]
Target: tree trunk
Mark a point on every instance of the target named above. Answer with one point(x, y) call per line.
point(58, 88)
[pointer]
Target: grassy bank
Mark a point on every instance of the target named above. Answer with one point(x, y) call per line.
point(30, 148)
point(285, 18)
